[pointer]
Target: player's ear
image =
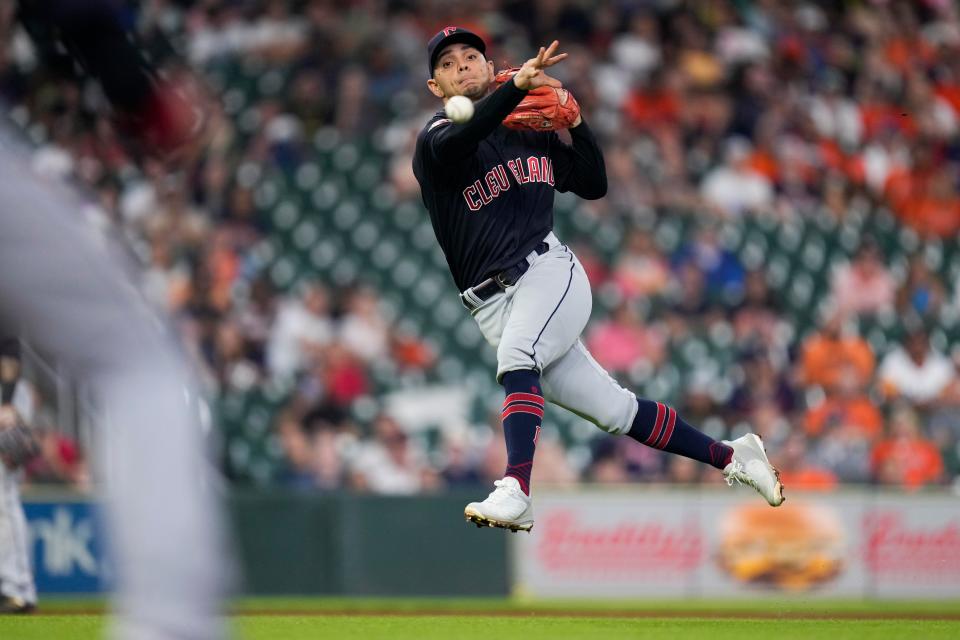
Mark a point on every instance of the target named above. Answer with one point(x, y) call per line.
point(491, 74)
point(435, 88)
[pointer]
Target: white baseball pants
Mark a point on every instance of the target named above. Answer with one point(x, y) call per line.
point(16, 575)
point(536, 324)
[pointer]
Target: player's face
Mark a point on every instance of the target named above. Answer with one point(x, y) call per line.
point(461, 71)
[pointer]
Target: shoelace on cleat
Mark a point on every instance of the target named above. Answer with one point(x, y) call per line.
point(502, 490)
point(737, 473)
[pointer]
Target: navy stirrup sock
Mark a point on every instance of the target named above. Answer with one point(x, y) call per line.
point(522, 416)
point(659, 426)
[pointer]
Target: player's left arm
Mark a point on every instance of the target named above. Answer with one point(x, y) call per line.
point(579, 167)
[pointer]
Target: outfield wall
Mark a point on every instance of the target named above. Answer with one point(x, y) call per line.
point(602, 543)
point(624, 544)
point(300, 544)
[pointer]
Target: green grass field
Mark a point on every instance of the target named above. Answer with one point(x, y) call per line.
point(431, 619)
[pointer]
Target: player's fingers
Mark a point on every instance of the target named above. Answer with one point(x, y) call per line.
point(555, 59)
point(538, 61)
point(550, 50)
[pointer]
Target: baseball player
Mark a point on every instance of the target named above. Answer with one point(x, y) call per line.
point(488, 187)
point(18, 594)
point(68, 287)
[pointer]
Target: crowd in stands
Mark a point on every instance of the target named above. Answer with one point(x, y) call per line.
point(717, 110)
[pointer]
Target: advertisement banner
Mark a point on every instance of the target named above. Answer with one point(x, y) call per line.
point(66, 547)
point(669, 543)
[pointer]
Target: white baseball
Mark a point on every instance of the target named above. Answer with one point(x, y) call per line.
point(459, 109)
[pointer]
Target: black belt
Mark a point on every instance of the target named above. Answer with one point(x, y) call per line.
point(495, 284)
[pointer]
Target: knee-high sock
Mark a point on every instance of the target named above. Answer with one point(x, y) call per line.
point(659, 426)
point(522, 416)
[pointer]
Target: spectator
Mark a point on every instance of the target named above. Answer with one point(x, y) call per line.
point(390, 464)
point(460, 467)
point(61, 461)
point(734, 187)
point(915, 371)
point(342, 375)
point(934, 207)
point(608, 465)
point(846, 406)
point(363, 328)
point(824, 356)
point(641, 271)
point(724, 274)
point(758, 318)
point(796, 469)
point(762, 384)
point(302, 328)
point(230, 362)
point(625, 341)
point(552, 468)
point(293, 440)
point(923, 293)
point(864, 286)
point(906, 458)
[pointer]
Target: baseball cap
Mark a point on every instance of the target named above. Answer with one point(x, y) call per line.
point(452, 35)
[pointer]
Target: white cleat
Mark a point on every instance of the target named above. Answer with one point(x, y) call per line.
point(507, 507)
point(750, 466)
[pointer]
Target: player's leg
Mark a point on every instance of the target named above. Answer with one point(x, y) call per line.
point(549, 310)
point(531, 325)
point(578, 383)
point(75, 302)
point(16, 578)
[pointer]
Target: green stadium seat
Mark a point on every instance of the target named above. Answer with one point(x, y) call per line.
point(285, 215)
point(325, 254)
point(305, 235)
point(326, 196)
point(346, 157)
point(347, 214)
point(365, 236)
point(307, 176)
point(383, 198)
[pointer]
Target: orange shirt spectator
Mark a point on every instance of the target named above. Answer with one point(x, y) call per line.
point(935, 210)
point(652, 109)
point(906, 458)
point(857, 413)
point(826, 355)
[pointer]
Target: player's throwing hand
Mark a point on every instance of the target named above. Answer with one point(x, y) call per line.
point(531, 74)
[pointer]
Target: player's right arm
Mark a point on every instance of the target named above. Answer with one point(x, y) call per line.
point(448, 142)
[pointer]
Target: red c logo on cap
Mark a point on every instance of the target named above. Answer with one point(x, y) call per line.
point(448, 30)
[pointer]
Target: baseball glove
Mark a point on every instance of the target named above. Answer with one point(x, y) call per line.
point(542, 109)
point(18, 445)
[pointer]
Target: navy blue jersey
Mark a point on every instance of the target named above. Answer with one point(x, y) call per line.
point(489, 189)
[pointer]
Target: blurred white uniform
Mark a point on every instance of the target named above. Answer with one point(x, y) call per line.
point(67, 292)
point(16, 574)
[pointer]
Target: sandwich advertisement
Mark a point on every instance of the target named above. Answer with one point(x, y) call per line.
point(672, 543)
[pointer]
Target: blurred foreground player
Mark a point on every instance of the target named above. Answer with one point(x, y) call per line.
point(18, 593)
point(488, 184)
point(68, 290)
